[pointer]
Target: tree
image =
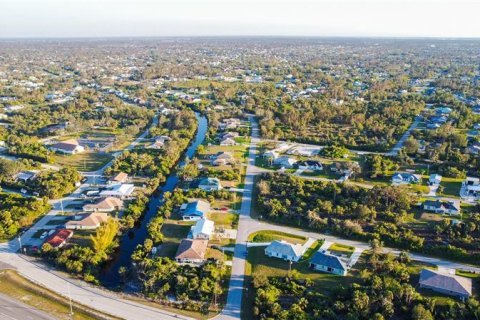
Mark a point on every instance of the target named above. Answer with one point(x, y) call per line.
point(420, 313)
point(103, 239)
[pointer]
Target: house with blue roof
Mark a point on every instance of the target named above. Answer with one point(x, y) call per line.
point(322, 261)
point(194, 210)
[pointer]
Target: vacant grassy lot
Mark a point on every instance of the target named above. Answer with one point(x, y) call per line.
point(19, 288)
point(87, 161)
point(173, 232)
point(224, 219)
point(338, 248)
point(451, 187)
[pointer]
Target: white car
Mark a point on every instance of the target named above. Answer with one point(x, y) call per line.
point(44, 235)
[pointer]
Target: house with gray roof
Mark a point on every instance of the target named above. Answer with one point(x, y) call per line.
point(445, 283)
point(284, 250)
point(443, 207)
point(322, 261)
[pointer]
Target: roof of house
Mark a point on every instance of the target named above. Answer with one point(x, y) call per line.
point(122, 189)
point(209, 182)
point(450, 282)
point(310, 163)
point(92, 219)
point(328, 260)
point(104, 203)
point(405, 176)
point(120, 177)
point(437, 204)
point(203, 226)
point(69, 145)
point(59, 237)
point(192, 249)
point(197, 208)
point(285, 248)
point(25, 175)
point(225, 155)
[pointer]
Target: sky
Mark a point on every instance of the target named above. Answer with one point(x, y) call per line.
point(157, 18)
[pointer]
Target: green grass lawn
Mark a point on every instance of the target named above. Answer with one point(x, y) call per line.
point(87, 161)
point(173, 232)
point(224, 219)
point(268, 236)
point(451, 187)
point(338, 248)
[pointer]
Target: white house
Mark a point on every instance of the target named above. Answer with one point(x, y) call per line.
point(405, 178)
point(284, 250)
point(322, 261)
point(310, 165)
point(159, 142)
point(210, 184)
point(470, 187)
point(194, 210)
point(434, 179)
point(285, 162)
point(121, 191)
point(437, 206)
point(67, 147)
point(203, 229)
point(227, 142)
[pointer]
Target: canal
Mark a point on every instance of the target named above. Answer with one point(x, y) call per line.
point(110, 278)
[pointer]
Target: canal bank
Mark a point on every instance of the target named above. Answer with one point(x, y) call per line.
point(110, 278)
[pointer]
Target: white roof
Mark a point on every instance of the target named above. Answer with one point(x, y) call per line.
point(203, 226)
point(119, 189)
point(285, 248)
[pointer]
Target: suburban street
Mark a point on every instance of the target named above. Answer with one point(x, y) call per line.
point(11, 309)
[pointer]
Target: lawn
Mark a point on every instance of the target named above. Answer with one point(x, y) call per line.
point(268, 236)
point(173, 232)
point(338, 248)
point(451, 187)
point(225, 219)
point(19, 288)
point(87, 161)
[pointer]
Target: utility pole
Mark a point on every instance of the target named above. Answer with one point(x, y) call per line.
point(70, 301)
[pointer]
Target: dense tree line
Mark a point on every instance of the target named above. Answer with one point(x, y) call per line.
point(17, 212)
point(353, 211)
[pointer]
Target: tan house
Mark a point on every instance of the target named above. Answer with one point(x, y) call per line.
point(192, 251)
point(91, 220)
point(224, 158)
point(107, 204)
point(121, 177)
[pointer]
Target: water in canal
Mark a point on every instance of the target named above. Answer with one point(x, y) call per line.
point(129, 241)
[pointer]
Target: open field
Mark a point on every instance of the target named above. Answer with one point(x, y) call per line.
point(87, 161)
point(268, 236)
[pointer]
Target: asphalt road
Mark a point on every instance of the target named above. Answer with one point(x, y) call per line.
point(14, 310)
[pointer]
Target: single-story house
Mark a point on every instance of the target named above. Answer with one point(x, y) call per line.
point(230, 135)
point(322, 261)
point(91, 220)
point(437, 206)
point(284, 250)
point(285, 162)
point(223, 158)
point(228, 142)
point(445, 283)
point(210, 184)
point(194, 210)
point(310, 165)
point(121, 177)
point(67, 147)
point(107, 204)
point(271, 155)
point(59, 238)
point(121, 191)
point(192, 251)
point(471, 186)
point(203, 229)
point(26, 175)
point(159, 142)
point(405, 178)
point(434, 179)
